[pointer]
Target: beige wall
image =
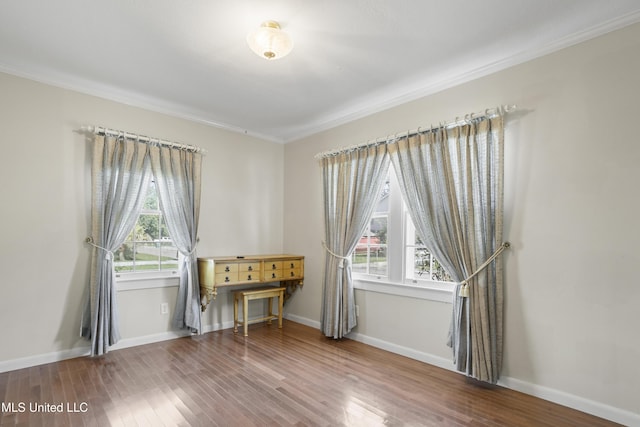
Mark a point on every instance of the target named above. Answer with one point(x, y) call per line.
point(45, 194)
point(572, 174)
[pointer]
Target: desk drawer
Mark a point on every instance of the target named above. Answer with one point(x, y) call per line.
point(293, 264)
point(271, 275)
point(225, 278)
point(249, 267)
point(292, 273)
point(226, 268)
point(272, 265)
point(249, 276)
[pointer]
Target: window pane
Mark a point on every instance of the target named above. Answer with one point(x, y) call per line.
point(378, 260)
point(378, 230)
point(438, 273)
point(151, 201)
point(168, 256)
point(147, 256)
point(383, 202)
point(164, 232)
point(422, 264)
point(149, 227)
point(123, 257)
point(359, 260)
point(378, 246)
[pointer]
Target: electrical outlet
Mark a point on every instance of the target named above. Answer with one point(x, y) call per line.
point(164, 308)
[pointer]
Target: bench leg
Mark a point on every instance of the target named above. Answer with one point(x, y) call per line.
point(245, 314)
point(235, 314)
point(280, 307)
point(270, 310)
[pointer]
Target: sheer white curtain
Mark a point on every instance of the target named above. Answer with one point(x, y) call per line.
point(452, 183)
point(120, 175)
point(352, 181)
point(178, 177)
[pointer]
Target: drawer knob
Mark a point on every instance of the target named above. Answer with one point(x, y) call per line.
point(291, 265)
point(226, 279)
point(292, 274)
point(249, 278)
point(250, 268)
point(273, 266)
point(226, 268)
point(273, 275)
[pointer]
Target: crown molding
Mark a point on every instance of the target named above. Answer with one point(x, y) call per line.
point(130, 98)
point(430, 86)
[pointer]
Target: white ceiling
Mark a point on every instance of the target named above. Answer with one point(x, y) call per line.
point(351, 58)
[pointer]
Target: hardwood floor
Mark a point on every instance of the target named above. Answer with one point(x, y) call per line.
point(288, 377)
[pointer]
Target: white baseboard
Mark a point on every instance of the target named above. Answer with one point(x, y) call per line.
point(303, 320)
point(148, 339)
point(217, 326)
point(440, 362)
point(42, 359)
point(581, 404)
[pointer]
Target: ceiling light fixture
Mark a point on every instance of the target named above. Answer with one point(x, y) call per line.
point(269, 41)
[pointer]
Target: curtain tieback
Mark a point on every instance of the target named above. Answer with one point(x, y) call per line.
point(108, 254)
point(195, 246)
point(464, 285)
point(340, 257)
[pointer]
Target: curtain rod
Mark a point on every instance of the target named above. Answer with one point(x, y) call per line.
point(98, 130)
point(468, 118)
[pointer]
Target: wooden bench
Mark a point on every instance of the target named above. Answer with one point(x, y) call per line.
point(247, 295)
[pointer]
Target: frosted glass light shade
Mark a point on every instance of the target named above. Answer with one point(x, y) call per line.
point(269, 41)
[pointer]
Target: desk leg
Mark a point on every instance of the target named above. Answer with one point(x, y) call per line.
point(245, 315)
point(235, 314)
point(280, 307)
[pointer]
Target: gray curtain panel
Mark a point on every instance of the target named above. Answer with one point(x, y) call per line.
point(352, 182)
point(120, 175)
point(178, 180)
point(452, 182)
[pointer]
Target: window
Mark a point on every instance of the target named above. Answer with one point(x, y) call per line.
point(390, 252)
point(149, 247)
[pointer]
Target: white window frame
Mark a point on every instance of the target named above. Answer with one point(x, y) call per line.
point(396, 282)
point(131, 280)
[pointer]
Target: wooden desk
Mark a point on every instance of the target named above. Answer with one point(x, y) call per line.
point(215, 272)
point(247, 295)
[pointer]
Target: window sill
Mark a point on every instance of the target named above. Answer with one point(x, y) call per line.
point(432, 291)
point(135, 281)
